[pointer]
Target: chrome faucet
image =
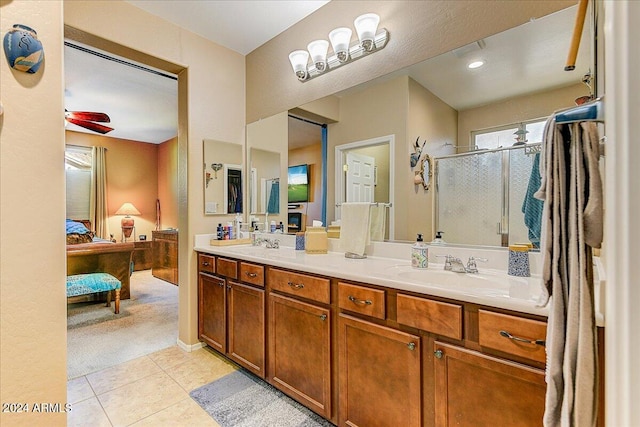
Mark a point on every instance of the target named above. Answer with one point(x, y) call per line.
point(455, 265)
point(472, 267)
point(272, 243)
point(452, 263)
point(268, 243)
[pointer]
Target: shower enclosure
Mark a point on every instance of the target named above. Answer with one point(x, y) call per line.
point(480, 197)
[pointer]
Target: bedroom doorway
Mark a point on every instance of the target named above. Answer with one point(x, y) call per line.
point(153, 293)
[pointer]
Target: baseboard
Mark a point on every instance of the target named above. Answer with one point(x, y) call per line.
point(190, 347)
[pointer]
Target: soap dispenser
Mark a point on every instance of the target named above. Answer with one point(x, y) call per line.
point(419, 254)
point(438, 239)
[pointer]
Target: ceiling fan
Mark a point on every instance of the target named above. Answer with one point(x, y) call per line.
point(86, 120)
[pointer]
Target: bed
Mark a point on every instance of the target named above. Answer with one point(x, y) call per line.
point(87, 254)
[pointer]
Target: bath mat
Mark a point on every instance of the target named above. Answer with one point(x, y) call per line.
point(241, 400)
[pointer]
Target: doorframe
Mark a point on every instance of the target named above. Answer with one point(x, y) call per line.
point(187, 323)
point(340, 155)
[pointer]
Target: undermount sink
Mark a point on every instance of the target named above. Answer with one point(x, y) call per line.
point(487, 283)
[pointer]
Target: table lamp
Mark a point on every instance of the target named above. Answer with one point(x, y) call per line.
point(127, 209)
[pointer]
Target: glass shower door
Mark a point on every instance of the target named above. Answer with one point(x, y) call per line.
point(470, 199)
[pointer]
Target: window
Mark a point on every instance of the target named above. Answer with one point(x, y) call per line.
point(78, 162)
point(504, 136)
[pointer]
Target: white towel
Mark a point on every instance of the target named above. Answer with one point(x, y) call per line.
point(377, 222)
point(354, 227)
point(572, 224)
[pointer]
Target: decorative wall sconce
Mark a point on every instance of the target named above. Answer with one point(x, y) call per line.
point(216, 167)
point(370, 40)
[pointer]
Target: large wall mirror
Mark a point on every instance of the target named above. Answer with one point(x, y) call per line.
point(223, 177)
point(447, 107)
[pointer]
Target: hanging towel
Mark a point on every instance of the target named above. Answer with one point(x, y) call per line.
point(354, 227)
point(378, 219)
point(532, 207)
point(273, 205)
point(571, 225)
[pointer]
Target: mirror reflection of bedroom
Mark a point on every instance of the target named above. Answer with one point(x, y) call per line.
point(121, 161)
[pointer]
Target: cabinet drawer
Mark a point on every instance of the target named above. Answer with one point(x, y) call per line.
point(227, 267)
point(302, 285)
point(437, 317)
point(512, 334)
point(252, 273)
point(206, 263)
point(360, 299)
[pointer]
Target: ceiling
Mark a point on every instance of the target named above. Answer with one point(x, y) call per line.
point(142, 105)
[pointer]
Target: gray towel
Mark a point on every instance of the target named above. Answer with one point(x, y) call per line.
point(571, 225)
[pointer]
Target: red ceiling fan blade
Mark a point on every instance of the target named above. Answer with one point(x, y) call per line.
point(88, 115)
point(90, 125)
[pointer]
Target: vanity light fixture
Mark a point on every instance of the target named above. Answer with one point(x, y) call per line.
point(370, 40)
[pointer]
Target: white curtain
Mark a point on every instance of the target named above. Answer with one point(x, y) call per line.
point(98, 208)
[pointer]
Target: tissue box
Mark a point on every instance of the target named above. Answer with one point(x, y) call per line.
point(333, 231)
point(315, 240)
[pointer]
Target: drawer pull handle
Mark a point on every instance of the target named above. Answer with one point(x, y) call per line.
point(295, 285)
point(412, 346)
point(438, 354)
point(252, 275)
point(514, 338)
point(205, 263)
point(221, 284)
point(323, 317)
point(360, 301)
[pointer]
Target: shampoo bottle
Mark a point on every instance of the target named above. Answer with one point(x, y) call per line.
point(219, 232)
point(419, 254)
point(272, 227)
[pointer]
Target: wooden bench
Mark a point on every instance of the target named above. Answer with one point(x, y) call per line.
point(91, 283)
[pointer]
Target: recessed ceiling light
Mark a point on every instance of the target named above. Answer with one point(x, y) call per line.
point(475, 64)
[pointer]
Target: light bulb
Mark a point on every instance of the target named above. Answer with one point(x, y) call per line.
point(299, 59)
point(366, 26)
point(318, 50)
point(340, 39)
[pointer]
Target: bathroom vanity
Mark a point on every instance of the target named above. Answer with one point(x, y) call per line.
point(375, 342)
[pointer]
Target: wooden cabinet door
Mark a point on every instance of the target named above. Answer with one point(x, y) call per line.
point(300, 352)
point(246, 327)
point(379, 372)
point(212, 311)
point(473, 389)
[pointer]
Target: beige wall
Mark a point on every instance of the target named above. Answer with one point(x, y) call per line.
point(167, 184)
point(132, 176)
point(435, 122)
point(371, 113)
point(515, 110)
point(402, 108)
point(311, 155)
point(418, 30)
point(272, 134)
point(33, 314)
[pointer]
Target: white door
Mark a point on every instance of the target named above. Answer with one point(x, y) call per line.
point(360, 177)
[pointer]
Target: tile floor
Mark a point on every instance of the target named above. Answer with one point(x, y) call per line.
point(152, 390)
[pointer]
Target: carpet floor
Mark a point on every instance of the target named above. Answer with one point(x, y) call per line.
point(241, 400)
point(98, 339)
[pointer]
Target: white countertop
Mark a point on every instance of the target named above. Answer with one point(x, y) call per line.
point(491, 287)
